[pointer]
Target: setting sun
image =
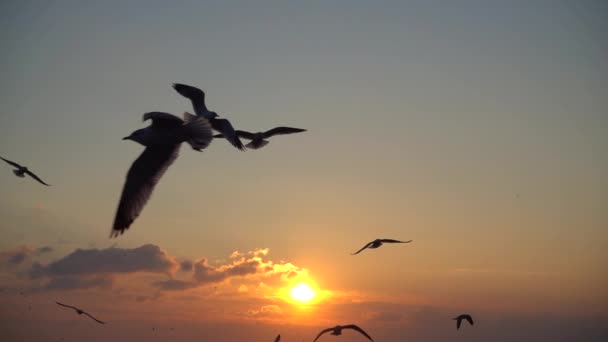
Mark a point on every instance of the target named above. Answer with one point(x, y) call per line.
point(302, 293)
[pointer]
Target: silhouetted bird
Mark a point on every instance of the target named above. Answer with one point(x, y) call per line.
point(197, 97)
point(21, 171)
point(258, 139)
point(162, 139)
point(460, 318)
point(80, 312)
point(337, 330)
point(278, 338)
point(378, 242)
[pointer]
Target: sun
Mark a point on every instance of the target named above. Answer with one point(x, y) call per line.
point(303, 293)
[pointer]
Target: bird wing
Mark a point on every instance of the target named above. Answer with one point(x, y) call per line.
point(364, 247)
point(458, 321)
point(195, 95)
point(245, 134)
point(394, 241)
point(354, 327)
point(469, 318)
point(282, 130)
point(68, 306)
point(36, 177)
point(323, 332)
point(225, 127)
point(143, 175)
point(219, 136)
point(98, 321)
point(11, 162)
point(165, 120)
point(278, 338)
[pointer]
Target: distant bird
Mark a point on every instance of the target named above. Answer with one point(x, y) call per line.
point(278, 338)
point(337, 330)
point(460, 318)
point(162, 139)
point(378, 242)
point(258, 139)
point(80, 312)
point(197, 97)
point(22, 170)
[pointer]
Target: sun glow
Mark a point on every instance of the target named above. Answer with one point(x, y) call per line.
point(303, 293)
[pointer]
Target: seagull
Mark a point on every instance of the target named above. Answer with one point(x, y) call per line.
point(80, 312)
point(460, 318)
point(22, 170)
point(197, 97)
point(337, 330)
point(278, 338)
point(258, 139)
point(162, 139)
point(378, 242)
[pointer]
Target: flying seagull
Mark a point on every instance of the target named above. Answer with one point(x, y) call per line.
point(22, 170)
point(80, 312)
point(197, 97)
point(162, 139)
point(337, 330)
point(378, 242)
point(278, 338)
point(258, 139)
point(460, 318)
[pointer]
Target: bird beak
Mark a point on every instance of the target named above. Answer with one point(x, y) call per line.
point(127, 138)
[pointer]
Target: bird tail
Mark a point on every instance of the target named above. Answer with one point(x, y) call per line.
point(257, 144)
point(198, 131)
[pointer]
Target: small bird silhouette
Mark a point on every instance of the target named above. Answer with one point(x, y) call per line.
point(278, 338)
point(378, 242)
point(337, 330)
point(258, 139)
point(460, 318)
point(197, 97)
point(162, 139)
point(21, 171)
point(80, 312)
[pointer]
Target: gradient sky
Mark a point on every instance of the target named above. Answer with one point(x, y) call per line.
point(479, 129)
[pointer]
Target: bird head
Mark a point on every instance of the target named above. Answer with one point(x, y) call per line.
point(137, 136)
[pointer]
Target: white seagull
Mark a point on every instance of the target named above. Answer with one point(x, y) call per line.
point(197, 97)
point(162, 139)
point(460, 318)
point(258, 139)
point(337, 330)
point(21, 171)
point(378, 242)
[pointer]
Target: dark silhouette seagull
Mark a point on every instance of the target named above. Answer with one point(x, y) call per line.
point(337, 330)
point(460, 318)
point(21, 171)
point(258, 139)
point(278, 338)
point(378, 242)
point(197, 97)
point(162, 139)
point(80, 312)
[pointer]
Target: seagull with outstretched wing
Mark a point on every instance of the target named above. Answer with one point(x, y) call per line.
point(197, 97)
point(378, 242)
point(21, 171)
point(80, 312)
point(337, 330)
point(162, 139)
point(459, 319)
point(258, 139)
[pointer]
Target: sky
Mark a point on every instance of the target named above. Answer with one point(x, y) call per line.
point(477, 129)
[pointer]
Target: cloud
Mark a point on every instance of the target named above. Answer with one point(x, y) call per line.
point(266, 311)
point(186, 266)
point(76, 282)
point(147, 258)
point(19, 254)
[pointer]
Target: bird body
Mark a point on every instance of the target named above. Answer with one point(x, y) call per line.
point(378, 242)
point(197, 97)
point(258, 139)
point(21, 171)
point(337, 331)
point(459, 319)
point(162, 139)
